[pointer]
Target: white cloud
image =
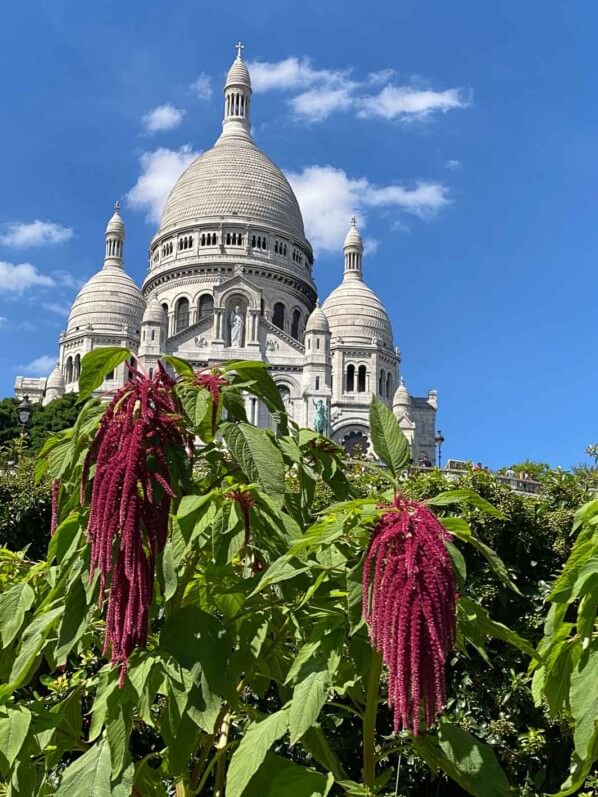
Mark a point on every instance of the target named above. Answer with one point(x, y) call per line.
point(3, 320)
point(66, 279)
point(317, 93)
point(329, 197)
point(317, 104)
point(202, 87)
point(60, 308)
point(41, 366)
point(18, 278)
point(160, 170)
point(21, 234)
point(404, 102)
point(164, 117)
point(453, 165)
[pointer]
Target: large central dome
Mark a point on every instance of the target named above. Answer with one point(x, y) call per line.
point(234, 178)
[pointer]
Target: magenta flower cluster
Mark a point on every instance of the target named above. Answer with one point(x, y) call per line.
point(130, 502)
point(409, 603)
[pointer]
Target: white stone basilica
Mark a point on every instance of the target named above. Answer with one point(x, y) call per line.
point(230, 277)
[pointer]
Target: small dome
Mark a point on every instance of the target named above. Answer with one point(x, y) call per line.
point(317, 321)
point(357, 315)
point(108, 301)
point(238, 74)
point(353, 238)
point(56, 379)
point(401, 397)
point(116, 224)
point(154, 312)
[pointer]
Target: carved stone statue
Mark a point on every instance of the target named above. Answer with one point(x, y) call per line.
point(320, 417)
point(237, 325)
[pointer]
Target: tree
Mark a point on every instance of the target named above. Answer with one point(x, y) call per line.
point(59, 414)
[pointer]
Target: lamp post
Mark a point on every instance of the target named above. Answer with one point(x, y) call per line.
point(439, 440)
point(24, 413)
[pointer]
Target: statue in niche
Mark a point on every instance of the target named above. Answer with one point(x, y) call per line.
point(320, 417)
point(237, 327)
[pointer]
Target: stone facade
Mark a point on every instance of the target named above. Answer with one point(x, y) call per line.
point(230, 277)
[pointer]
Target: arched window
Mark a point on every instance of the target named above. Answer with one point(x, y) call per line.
point(361, 379)
point(278, 315)
point(388, 385)
point(182, 315)
point(165, 306)
point(69, 370)
point(206, 306)
point(76, 367)
point(317, 382)
point(295, 324)
point(381, 383)
point(228, 239)
point(350, 378)
point(153, 334)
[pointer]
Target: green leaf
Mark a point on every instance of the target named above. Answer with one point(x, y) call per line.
point(259, 457)
point(95, 366)
point(389, 442)
point(13, 605)
point(280, 570)
point(251, 752)
point(74, 620)
point(475, 622)
point(33, 641)
point(182, 367)
point(465, 496)
point(89, 775)
point(279, 777)
point(581, 564)
point(476, 767)
point(263, 386)
point(583, 699)
point(13, 732)
point(197, 403)
point(169, 571)
point(309, 696)
point(461, 530)
point(459, 565)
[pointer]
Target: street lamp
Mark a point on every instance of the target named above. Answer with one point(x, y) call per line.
point(24, 413)
point(439, 440)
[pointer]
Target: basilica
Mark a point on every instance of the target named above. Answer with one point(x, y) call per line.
point(230, 276)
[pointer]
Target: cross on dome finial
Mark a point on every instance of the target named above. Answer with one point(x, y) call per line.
point(354, 221)
point(117, 206)
point(240, 46)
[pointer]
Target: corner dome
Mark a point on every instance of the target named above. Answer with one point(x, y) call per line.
point(401, 396)
point(356, 314)
point(56, 379)
point(353, 238)
point(234, 179)
point(317, 321)
point(116, 225)
point(238, 74)
point(109, 301)
point(154, 312)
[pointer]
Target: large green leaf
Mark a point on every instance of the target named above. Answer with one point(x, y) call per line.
point(261, 385)
point(309, 696)
point(279, 777)
point(465, 496)
point(259, 457)
point(13, 605)
point(33, 641)
point(475, 763)
point(89, 775)
point(250, 754)
point(14, 726)
point(580, 566)
point(96, 365)
point(476, 624)
point(583, 699)
point(461, 530)
point(280, 570)
point(389, 442)
point(73, 622)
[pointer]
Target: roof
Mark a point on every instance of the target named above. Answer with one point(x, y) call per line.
point(108, 300)
point(356, 314)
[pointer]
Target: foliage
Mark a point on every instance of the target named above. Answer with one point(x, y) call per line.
point(24, 509)
point(59, 414)
point(258, 676)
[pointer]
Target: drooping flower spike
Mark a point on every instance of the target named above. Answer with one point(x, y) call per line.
point(409, 603)
point(55, 497)
point(130, 502)
point(213, 383)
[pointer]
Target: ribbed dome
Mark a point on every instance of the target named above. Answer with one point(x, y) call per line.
point(356, 314)
point(317, 321)
point(238, 74)
point(401, 397)
point(353, 239)
point(56, 379)
point(234, 178)
point(108, 300)
point(154, 312)
point(116, 224)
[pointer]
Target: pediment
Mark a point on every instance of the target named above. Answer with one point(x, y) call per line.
point(276, 343)
point(237, 284)
point(197, 336)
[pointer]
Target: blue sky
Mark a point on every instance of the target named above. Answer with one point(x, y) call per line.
point(463, 135)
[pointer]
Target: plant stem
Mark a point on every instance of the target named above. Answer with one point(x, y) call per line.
point(369, 720)
point(221, 765)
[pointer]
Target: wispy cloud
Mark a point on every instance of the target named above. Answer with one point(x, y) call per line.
point(160, 170)
point(164, 117)
point(202, 87)
point(17, 278)
point(329, 197)
point(60, 308)
point(453, 165)
point(318, 93)
point(41, 366)
point(23, 234)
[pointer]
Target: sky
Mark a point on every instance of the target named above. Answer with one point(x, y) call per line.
point(462, 135)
